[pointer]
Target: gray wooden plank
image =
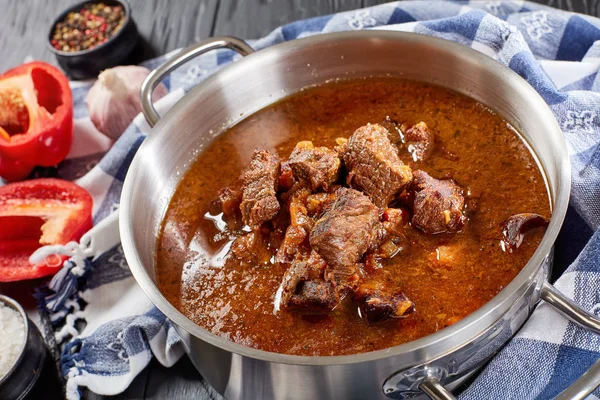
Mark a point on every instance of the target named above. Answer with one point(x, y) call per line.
point(168, 25)
point(252, 19)
point(163, 26)
point(24, 26)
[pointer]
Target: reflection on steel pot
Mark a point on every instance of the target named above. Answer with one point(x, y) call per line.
point(427, 365)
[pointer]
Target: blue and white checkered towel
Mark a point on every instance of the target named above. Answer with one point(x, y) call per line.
point(557, 52)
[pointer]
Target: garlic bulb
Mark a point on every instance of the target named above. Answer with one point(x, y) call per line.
point(114, 100)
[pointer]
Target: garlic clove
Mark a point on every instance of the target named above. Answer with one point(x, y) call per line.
point(114, 99)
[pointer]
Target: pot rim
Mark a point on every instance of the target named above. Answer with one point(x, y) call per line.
point(469, 327)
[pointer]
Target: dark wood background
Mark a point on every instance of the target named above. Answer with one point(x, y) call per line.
point(169, 24)
point(165, 25)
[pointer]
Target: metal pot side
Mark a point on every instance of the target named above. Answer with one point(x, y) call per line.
point(267, 76)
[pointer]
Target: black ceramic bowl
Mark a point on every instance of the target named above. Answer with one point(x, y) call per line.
point(88, 63)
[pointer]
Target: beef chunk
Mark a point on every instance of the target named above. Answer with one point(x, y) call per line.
point(251, 248)
point(259, 197)
point(314, 297)
point(378, 303)
point(373, 165)
point(515, 228)
point(438, 204)
point(318, 167)
point(304, 287)
point(348, 227)
point(420, 141)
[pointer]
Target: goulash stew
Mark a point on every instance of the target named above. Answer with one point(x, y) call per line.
point(351, 217)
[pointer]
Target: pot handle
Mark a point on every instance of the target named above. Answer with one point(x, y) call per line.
point(179, 59)
point(582, 387)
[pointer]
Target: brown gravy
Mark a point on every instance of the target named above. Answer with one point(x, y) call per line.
point(487, 158)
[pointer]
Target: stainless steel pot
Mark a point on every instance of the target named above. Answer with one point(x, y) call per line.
point(259, 79)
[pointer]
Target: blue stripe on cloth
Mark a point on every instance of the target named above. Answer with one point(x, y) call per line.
point(582, 84)
point(573, 237)
point(111, 266)
point(400, 16)
point(587, 261)
point(466, 24)
point(578, 37)
point(508, 375)
point(116, 162)
point(294, 29)
point(570, 364)
point(525, 65)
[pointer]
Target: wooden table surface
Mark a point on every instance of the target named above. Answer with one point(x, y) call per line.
point(165, 25)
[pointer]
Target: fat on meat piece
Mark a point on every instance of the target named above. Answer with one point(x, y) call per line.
point(373, 164)
point(438, 204)
point(378, 303)
point(304, 287)
point(348, 227)
point(420, 141)
point(318, 167)
point(259, 190)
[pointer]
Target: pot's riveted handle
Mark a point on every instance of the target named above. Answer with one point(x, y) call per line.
point(591, 379)
point(179, 59)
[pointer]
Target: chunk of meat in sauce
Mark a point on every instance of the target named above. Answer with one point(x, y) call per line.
point(347, 229)
point(378, 303)
point(515, 228)
point(304, 287)
point(251, 248)
point(318, 167)
point(420, 141)
point(438, 204)
point(373, 164)
point(259, 191)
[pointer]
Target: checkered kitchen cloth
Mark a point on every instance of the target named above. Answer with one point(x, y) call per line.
point(557, 52)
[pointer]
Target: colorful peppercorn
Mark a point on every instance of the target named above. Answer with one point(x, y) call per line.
point(87, 28)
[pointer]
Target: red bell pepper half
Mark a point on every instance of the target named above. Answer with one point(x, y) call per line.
point(36, 119)
point(36, 213)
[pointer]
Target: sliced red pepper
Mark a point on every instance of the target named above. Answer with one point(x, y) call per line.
point(39, 212)
point(36, 118)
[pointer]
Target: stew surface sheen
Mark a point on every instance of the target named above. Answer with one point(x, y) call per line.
point(474, 146)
